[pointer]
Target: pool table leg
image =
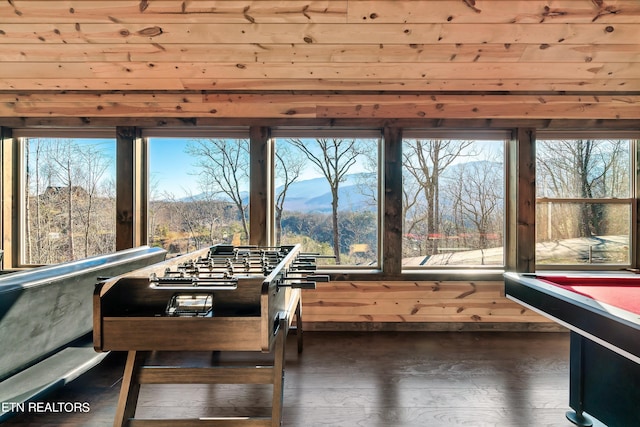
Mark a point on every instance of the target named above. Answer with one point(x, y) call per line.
point(579, 419)
point(576, 383)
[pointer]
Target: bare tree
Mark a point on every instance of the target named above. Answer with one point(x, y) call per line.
point(288, 170)
point(412, 219)
point(333, 157)
point(64, 168)
point(188, 213)
point(67, 191)
point(94, 167)
point(367, 182)
point(476, 194)
point(200, 217)
point(224, 169)
point(104, 240)
point(425, 161)
point(153, 231)
point(584, 169)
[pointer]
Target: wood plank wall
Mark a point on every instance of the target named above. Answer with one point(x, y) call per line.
point(535, 45)
point(388, 64)
point(332, 59)
point(408, 304)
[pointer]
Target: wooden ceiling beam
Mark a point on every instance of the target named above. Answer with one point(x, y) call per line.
point(86, 122)
point(320, 106)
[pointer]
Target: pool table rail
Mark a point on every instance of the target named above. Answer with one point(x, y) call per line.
point(604, 351)
point(610, 326)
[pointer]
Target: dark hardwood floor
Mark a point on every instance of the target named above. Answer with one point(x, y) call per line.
point(361, 379)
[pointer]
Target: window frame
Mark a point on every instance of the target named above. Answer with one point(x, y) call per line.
point(236, 132)
point(517, 179)
point(504, 135)
point(20, 135)
point(362, 133)
point(631, 200)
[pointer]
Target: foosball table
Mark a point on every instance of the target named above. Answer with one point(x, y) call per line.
point(222, 298)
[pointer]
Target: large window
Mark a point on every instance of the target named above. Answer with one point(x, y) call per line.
point(453, 199)
point(199, 190)
point(68, 209)
point(584, 200)
point(324, 187)
point(327, 195)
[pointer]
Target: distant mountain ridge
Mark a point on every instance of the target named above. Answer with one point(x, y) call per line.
point(355, 193)
point(314, 195)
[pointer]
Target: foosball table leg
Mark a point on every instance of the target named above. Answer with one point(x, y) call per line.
point(129, 390)
point(278, 375)
point(136, 373)
point(299, 325)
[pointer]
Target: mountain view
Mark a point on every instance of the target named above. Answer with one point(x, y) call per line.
point(314, 195)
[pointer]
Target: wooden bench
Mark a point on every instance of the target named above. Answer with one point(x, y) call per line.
point(46, 321)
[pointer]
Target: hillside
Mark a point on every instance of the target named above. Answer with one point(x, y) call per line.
point(314, 195)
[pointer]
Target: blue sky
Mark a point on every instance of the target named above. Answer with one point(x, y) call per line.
point(170, 168)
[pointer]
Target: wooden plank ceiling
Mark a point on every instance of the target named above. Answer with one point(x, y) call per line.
point(321, 59)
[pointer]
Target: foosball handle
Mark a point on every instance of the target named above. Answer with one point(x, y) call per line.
point(318, 278)
point(298, 285)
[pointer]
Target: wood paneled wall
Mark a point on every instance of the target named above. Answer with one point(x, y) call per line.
point(321, 59)
point(413, 302)
point(451, 45)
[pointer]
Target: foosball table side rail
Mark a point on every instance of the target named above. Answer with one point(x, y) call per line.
point(279, 299)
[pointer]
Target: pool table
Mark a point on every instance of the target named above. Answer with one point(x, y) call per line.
point(603, 314)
